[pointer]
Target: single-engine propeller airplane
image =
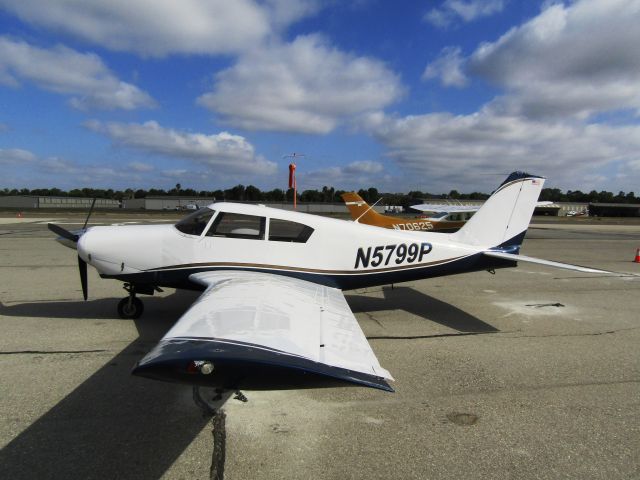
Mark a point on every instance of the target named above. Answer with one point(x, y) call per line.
point(436, 217)
point(273, 314)
point(445, 218)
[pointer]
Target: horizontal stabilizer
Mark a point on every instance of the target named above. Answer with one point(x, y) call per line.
point(549, 263)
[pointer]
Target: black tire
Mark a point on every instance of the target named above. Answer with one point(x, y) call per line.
point(133, 311)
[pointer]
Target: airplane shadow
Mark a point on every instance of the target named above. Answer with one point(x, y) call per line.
point(421, 305)
point(103, 308)
point(113, 425)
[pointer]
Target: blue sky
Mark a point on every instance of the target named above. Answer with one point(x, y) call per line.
point(430, 95)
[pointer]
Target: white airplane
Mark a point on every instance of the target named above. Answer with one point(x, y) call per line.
point(273, 314)
point(443, 212)
point(445, 207)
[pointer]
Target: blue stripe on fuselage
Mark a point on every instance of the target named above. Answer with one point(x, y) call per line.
point(178, 277)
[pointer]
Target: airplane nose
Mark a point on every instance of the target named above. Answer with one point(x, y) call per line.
point(119, 250)
point(82, 246)
point(103, 248)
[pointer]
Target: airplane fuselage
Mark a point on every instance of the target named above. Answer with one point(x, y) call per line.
point(337, 253)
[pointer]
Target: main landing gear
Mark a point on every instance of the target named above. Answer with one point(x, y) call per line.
point(131, 306)
point(210, 405)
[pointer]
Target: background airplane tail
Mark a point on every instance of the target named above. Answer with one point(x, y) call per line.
point(504, 218)
point(360, 210)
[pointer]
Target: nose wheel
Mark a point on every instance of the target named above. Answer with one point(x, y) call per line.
point(131, 306)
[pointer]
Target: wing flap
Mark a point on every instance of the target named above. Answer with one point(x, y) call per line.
point(251, 325)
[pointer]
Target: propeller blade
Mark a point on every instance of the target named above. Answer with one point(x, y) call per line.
point(62, 232)
point(93, 204)
point(82, 266)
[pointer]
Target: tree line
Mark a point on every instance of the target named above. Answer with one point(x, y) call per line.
point(325, 195)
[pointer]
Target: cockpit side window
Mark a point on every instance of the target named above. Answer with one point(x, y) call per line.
point(236, 225)
point(195, 223)
point(286, 231)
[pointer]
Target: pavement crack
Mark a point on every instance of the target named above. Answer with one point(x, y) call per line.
point(588, 334)
point(48, 352)
point(219, 433)
point(437, 335)
point(501, 334)
point(371, 316)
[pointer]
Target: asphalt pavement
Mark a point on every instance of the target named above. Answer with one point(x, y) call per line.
point(531, 373)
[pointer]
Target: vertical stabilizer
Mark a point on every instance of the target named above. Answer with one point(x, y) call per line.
point(505, 216)
point(361, 211)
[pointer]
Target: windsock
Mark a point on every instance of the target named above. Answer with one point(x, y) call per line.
point(292, 175)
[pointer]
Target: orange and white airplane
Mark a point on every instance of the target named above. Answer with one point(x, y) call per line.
point(443, 219)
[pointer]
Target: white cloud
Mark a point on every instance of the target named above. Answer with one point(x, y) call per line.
point(141, 167)
point(57, 165)
point(285, 12)
point(161, 27)
point(448, 67)
point(225, 152)
point(15, 156)
point(573, 60)
point(358, 174)
point(176, 173)
point(304, 86)
point(459, 151)
point(362, 167)
point(558, 71)
point(63, 70)
point(23, 168)
point(466, 10)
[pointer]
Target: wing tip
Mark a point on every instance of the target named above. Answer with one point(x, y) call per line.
point(245, 366)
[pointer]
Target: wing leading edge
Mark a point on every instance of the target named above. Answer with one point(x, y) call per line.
point(258, 330)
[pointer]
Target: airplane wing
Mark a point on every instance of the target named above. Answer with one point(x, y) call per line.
point(259, 330)
point(443, 207)
point(432, 207)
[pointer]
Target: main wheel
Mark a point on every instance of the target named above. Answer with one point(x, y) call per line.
point(133, 310)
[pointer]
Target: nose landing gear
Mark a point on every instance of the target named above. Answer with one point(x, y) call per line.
point(131, 306)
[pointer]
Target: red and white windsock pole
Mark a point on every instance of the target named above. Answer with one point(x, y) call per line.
point(292, 182)
point(292, 177)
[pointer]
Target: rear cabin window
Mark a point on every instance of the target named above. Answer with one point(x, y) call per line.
point(285, 231)
point(236, 225)
point(195, 223)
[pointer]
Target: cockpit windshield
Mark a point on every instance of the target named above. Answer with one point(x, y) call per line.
point(195, 223)
point(438, 215)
